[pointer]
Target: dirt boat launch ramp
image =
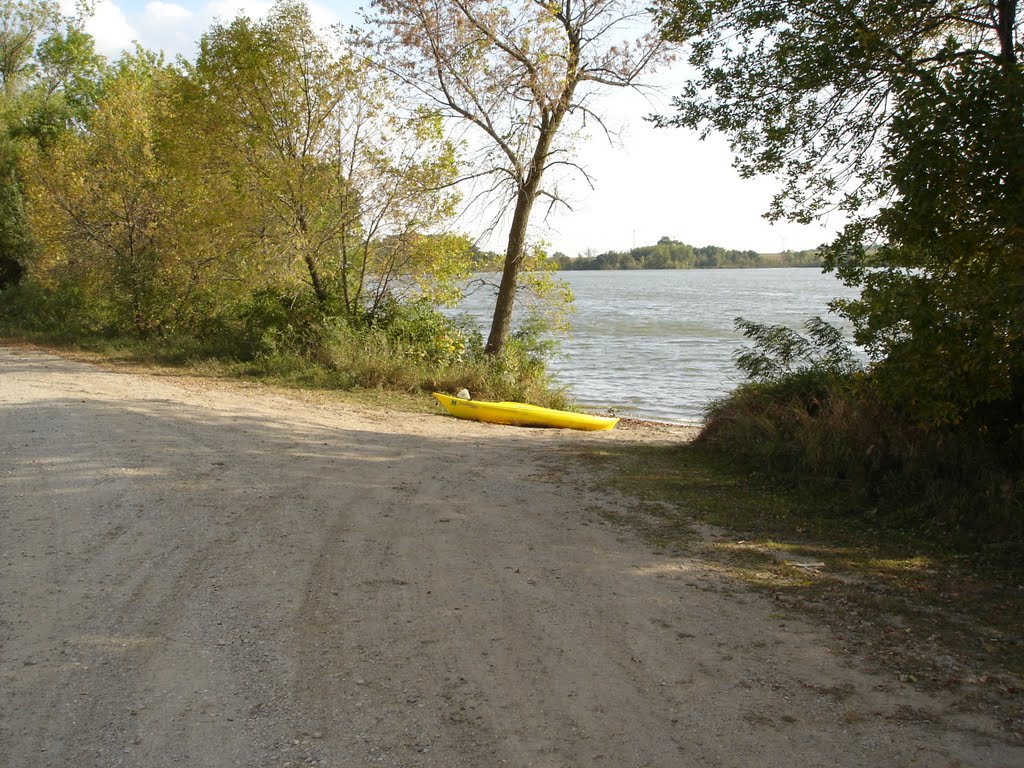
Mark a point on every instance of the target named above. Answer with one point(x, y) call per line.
point(198, 573)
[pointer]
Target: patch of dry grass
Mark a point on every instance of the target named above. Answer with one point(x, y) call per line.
point(915, 605)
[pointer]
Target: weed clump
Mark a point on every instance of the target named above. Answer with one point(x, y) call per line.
point(809, 417)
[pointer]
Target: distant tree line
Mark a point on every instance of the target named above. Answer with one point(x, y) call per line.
point(672, 254)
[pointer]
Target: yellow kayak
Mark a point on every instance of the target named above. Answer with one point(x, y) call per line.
point(521, 414)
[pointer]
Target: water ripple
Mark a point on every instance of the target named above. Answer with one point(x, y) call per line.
point(659, 344)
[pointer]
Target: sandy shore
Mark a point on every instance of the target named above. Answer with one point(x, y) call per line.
point(198, 573)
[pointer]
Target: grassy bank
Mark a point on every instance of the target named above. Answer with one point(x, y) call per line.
point(402, 348)
point(831, 438)
point(364, 370)
point(906, 537)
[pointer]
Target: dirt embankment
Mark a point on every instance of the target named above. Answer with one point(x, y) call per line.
point(206, 574)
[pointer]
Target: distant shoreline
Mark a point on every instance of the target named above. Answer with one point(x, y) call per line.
point(669, 254)
point(675, 269)
point(672, 254)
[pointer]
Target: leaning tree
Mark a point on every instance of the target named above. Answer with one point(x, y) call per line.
point(516, 71)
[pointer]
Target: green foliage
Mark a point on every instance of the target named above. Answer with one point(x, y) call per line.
point(945, 291)
point(412, 267)
point(22, 24)
point(49, 72)
point(341, 184)
point(270, 321)
point(547, 300)
point(909, 118)
point(115, 211)
point(28, 308)
point(273, 206)
point(268, 92)
point(806, 258)
point(15, 243)
point(420, 332)
point(404, 347)
point(804, 89)
point(67, 88)
point(779, 351)
point(808, 417)
point(288, 339)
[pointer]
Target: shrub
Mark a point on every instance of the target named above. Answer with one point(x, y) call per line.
point(779, 351)
point(808, 421)
point(64, 312)
point(405, 347)
point(294, 339)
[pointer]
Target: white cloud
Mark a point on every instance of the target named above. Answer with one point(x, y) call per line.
point(110, 29)
point(175, 29)
point(166, 11)
point(108, 25)
point(324, 17)
point(226, 10)
point(180, 35)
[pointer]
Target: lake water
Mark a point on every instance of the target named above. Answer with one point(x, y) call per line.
point(659, 344)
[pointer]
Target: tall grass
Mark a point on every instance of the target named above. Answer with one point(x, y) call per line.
point(825, 429)
point(406, 348)
point(371, 360)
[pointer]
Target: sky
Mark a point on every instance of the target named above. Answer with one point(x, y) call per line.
point(649, 184)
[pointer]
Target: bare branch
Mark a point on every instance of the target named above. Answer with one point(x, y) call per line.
point(512, 71)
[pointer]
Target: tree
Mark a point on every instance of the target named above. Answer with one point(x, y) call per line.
point(909, 118)
point(342, 182)
point(123, 218)
point(515, 71)
point(942, 297)
point(49, 68)
point(15, 244)
point(49, 72)
point(22, 24)
point(400, 166)
point(271, 91)
point(805, 89)
point(68, 82)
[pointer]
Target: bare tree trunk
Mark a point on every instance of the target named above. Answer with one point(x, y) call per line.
point(314, 278)
point(1006, 13)
point(502, 321)
point(527, 195)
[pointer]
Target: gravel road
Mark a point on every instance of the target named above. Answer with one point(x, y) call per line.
point(199, 573)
